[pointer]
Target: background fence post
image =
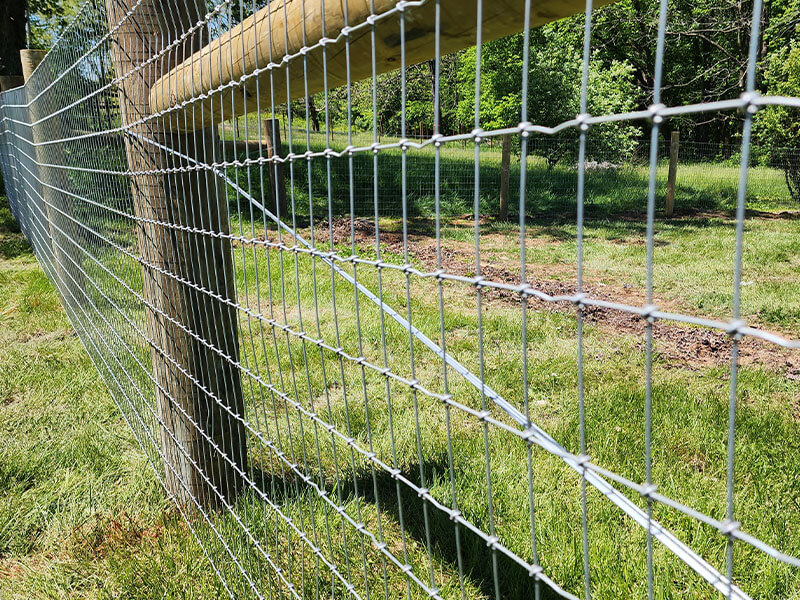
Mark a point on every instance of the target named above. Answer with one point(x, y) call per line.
point(9, 82)
point(674, 141)
point(505, 172)
point(193, 336)
point(52, 184)
point(272, 141)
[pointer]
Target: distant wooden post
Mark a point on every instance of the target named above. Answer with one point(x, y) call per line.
point(197, 382)
point(53, 182)
point(505, 173)
point(669, 205)
point(272, 143)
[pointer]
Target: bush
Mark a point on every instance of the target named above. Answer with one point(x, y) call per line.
point(778, 127)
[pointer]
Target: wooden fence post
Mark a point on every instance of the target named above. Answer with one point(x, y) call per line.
point(277, 181)
point(669, 205)
point(505, 173)
point(193, 337)
point(52, 184)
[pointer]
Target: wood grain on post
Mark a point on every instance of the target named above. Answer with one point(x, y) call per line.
point(672, 175)
point(505, 175)
point(266, 37)
point(194, 383)
point(53, 182)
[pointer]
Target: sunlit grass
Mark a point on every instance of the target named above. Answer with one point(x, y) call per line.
point(84, 514)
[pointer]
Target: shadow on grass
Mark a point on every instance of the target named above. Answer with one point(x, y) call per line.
point(616, 193)
point(12, 243)
point(477, 559)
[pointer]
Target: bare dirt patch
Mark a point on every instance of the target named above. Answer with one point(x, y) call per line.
point(9, 569)
point(100, 534)
point(677, 344)
point(47, 336)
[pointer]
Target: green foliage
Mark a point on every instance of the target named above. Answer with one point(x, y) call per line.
point(778, 127)
point(705, 57)
point(48, 18)
point(554, 91)
point(419, 88)
point(705, 60)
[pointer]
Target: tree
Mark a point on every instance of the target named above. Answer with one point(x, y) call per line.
point(48, 18)
point(554, 86)
point(778, 127)
point(705, 57)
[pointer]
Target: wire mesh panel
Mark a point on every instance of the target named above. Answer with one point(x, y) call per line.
point(348, 377)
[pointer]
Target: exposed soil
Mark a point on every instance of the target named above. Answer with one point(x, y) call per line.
point(679, 345)
point(99, 534)
point(784, 215)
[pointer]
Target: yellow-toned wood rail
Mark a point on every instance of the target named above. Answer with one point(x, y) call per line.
point(276, 31)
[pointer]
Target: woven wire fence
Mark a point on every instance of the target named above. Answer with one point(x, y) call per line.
point(332, 415)
point(707, 176)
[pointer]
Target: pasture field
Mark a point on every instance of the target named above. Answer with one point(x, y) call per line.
point(82, 514)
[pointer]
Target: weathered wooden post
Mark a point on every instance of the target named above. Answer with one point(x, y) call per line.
point(669, 204)
point(53, 182)
point(193, 337)
point(505, 173)
point(272, 142)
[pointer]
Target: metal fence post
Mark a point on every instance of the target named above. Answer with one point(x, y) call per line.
point(193, 335)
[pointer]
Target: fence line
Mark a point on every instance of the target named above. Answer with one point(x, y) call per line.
point(296, 376)
point(709, 174)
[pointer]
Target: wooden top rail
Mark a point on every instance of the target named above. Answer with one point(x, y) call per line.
point(265, 38)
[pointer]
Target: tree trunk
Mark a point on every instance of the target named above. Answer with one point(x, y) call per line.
point(312, 109)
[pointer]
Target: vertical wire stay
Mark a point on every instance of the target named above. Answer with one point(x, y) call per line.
point(271, 226)
point(651, 208)
point(584, 129)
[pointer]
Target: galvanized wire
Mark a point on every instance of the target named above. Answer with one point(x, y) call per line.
point(320, 332)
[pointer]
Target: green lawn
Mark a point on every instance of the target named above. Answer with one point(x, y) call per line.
point(95, 522)
point(81, 513)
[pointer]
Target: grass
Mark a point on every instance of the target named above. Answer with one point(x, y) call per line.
point(81, 513)
point(75, 467)
point(689, 434)
point(694, 250)
point(701, 186)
